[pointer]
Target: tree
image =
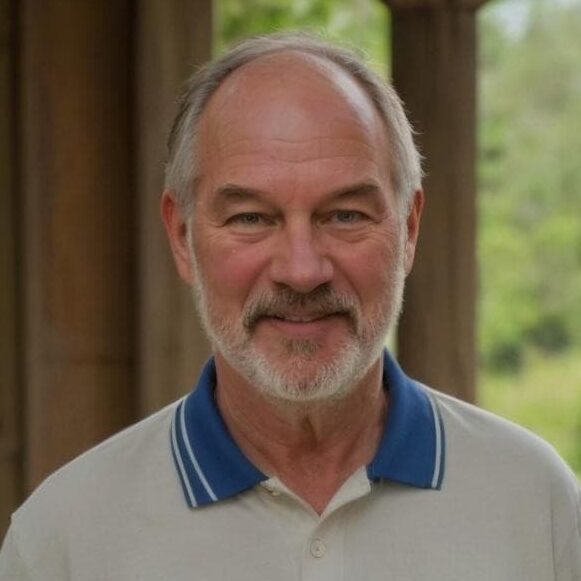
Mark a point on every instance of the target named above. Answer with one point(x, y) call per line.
point(530, 201)
point(363, 24)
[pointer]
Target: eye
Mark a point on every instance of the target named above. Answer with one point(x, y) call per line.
point(249, 219)
point(347, 217)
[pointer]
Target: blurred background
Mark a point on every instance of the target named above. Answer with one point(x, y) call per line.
point(529, 243)
point(95, 329)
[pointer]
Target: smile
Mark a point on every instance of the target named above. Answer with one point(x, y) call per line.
point(305, 326)
point(300, 318)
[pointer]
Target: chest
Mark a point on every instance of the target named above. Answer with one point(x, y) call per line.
point(271, 538)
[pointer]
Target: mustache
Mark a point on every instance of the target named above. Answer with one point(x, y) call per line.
point(284, 302)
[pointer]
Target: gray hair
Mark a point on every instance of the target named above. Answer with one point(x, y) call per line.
point(182, 172)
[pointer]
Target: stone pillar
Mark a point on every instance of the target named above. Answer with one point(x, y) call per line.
point(173, 37)
point(78, 226)
point(434, 71)
point(11, 441)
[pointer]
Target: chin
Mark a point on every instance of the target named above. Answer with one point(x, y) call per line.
point(306, 374)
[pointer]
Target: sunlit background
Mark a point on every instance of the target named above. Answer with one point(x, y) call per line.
point(529, 170)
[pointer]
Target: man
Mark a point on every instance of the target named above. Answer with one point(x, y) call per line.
point(292, 205)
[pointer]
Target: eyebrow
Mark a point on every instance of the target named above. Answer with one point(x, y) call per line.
point(235, 193)
point(361, 190)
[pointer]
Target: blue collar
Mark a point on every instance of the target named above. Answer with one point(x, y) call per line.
point(211, 466)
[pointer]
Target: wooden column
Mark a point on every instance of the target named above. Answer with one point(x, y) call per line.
point(78, 226)
point(173, 37)
point(11, 444)
point(434, 70)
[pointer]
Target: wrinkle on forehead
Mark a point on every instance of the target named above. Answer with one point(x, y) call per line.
point(292, 98)
point(291, 151)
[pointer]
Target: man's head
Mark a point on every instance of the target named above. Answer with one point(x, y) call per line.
point(292, 205)
point(182, 168)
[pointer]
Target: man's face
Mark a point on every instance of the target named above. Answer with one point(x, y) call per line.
point(298, 247)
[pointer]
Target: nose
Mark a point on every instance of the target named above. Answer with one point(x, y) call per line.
point(298, 261)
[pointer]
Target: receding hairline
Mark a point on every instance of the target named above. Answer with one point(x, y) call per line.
point(405, 161)
point(336, 78)
point(314, 61)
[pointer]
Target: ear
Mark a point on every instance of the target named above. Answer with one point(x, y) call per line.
point(413, 229)
point(176, 227)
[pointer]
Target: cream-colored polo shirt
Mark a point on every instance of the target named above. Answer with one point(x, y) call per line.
point(452, 494)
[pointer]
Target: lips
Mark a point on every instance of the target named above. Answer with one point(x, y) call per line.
point(314, 327)
point(294, 318)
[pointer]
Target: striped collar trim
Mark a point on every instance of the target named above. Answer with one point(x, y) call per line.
point(413, 446)
point(211, 466)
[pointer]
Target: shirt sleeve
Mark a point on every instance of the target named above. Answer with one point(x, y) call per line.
point(568, 566)
point(12, 566)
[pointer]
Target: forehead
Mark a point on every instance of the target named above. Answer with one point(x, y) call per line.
point(298, 106)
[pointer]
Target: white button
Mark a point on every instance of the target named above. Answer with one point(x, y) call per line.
point(271, 489)
point(318, 548)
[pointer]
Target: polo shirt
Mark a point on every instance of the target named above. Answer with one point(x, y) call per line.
point(453, 493)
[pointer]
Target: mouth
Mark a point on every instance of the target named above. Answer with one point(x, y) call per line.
point(304, 326)
point(286, 306)
point(295, 318)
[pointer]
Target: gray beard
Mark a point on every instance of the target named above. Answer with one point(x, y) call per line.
point(302, 378)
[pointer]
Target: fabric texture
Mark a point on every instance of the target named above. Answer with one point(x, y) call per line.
point(453, 493)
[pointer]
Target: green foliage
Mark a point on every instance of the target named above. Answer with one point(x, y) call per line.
point(530, 199)
point(362, 24)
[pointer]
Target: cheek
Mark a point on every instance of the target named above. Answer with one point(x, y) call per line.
point(371, 266)
point(230, 272)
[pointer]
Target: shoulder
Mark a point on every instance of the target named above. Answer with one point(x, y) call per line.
point(497, 459)
point(111, 478)
point(118, 456)
point(481, 437)
point(470, 427)
point(487, 452)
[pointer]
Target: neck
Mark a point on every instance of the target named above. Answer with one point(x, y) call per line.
point(313, 447)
